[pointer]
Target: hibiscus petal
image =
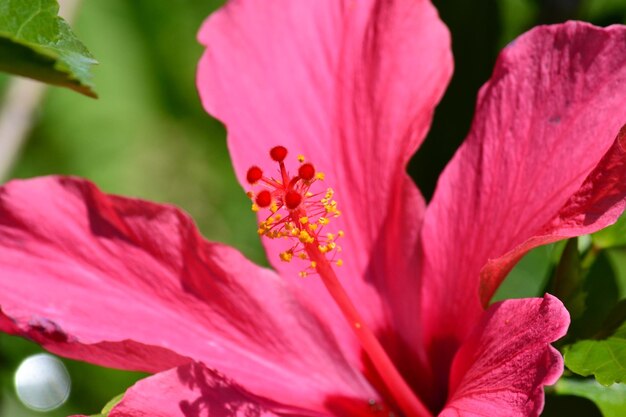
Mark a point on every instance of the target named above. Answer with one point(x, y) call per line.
point(352, 85)
point(502, 367)
point(194, 390)
point(131, 284)
point(541, 163)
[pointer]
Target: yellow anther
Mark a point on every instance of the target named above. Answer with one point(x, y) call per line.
point(254, 207)
point(320, 176)
point(340, 233)
point(331, 245)
point(322, 248)
point(278, 217)
point(313, 264)
point(313, 226)
point(339, 262)
point(286, 256)
point(305, 237)
point(273, 208)
point(330, 237)
point(302, 255)
point(323, 221)
point(269, 221)
point(304, 219)
point(301, 158)
point(288, 225)
point(295, 231)
point(303, 274)
point(250, 194)
point(308, 194)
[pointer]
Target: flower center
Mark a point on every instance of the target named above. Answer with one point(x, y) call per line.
point(300, 215)
point(296, 213)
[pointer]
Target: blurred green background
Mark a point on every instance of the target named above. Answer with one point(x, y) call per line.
point(147, 136)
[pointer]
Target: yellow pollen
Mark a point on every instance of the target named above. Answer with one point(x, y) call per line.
point(322, 248)
point(313, 264)
point(288, 225)
point(330, 237)
point(286, 256)
point(301, 158)
point(303, 274)
point(308, 194)
point(273, 208)
point(302, 256)
point(305, 237)
point(331, 245)
point(320, 176)
point(323, 221)
point(304, 219)
point(340, 233)
point(313, 226)
point(339, 262)
point(254, 207)
point(295, 231)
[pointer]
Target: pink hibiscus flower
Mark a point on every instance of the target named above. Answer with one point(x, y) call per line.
point(352, 85)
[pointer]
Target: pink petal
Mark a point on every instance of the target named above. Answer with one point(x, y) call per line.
point(502, 368)
point(131, 284)
point(541, 163)
point(195, 390)
point(351, 85)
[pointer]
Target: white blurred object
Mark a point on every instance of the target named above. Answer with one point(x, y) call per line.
point(42, 383)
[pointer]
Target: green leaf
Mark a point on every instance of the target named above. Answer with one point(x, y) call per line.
point(610, 400)
point(568, 280)
point(601, 296)
point(617, 257)
point(529, 276)
point(109, 406)
point(605, 359)
point(36, 43)
point(613, 236)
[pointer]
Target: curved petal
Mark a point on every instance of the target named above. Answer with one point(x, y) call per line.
point(502, 367)
point(352, 85)
point(127, 283)
point(530, 171)
point(193, 390)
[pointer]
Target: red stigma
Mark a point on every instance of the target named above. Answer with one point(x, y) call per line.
point(254, 174)
point(278, 153)
point(306, 171)
point(292, 199)
point(264, 199)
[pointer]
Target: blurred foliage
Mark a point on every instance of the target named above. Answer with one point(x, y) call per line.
point(36, 43)
point(147, 136)
point(610, 400)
